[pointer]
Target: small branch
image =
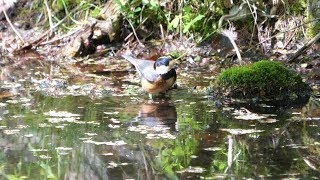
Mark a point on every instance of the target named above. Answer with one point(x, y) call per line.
point(134, 31)
point(232, 36)
point(304, 48)
point(180, 18)
point(49, 16)
point(41, 38)
point(229, 16)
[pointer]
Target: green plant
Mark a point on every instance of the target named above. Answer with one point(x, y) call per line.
point(192, 18)
point(143, 12)
point(264, 78)
point(65, 13)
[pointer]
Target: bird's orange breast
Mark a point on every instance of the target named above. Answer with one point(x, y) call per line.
point(159, 86)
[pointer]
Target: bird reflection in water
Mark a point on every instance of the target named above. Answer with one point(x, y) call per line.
point(158, 112)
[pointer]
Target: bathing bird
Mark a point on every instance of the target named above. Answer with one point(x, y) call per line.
point(156, 76)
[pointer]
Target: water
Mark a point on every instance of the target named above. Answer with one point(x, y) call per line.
point(118, 133)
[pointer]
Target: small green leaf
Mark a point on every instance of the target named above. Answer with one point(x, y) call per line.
point(174, 23)
point(189, 24)
point(138, 9)
point(145, 2)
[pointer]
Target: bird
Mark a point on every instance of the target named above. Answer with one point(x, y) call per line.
point(156, 76)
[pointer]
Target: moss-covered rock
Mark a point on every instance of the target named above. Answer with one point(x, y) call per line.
point(263, 79)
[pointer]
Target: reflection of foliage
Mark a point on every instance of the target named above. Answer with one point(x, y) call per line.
point(175, 155)
point(38, 156)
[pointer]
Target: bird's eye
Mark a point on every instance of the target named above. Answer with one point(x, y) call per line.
point(163, 61)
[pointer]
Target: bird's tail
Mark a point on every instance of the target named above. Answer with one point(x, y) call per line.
point(130, 59)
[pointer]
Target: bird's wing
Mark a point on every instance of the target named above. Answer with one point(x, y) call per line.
point(144, 67)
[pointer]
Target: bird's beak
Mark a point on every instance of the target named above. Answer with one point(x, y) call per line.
point(173, 62)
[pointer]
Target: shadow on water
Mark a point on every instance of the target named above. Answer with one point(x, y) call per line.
point(113, 133)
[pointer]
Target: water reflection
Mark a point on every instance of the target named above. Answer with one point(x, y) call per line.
point(153, 113)
point(129, 137)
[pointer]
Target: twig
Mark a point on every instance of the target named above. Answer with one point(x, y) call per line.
point(41, 38)
point(9, 21)
point(255, 17)
point(304, 48)
point(134, 32)
point(49, 16)
point(180, 18)
point(232, 36)
point(55, 39)
point(290, 38)
point(288, 30)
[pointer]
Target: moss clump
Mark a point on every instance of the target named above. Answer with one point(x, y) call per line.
point(265, 79)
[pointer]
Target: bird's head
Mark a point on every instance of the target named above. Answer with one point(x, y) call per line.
point(164, 64)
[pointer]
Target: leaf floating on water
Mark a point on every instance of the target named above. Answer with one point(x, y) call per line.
point(58, 119)
point(20, 126)
point(153, 132)
point(113, 126)
point(93, 142)
point(116, 143)
point(11, 131)
point(44, 157)
point(212, 149)
point(61, 114)
point(212, 110)
point(38, 150)
point(112, 164)
point(110, 113)
point(12, 101)
point(60, 127)
point(158, 136)
point(28, 135)
point(24, 100)
point(93, 122)
point(246, 115)
point(193, 170)
point(241, 131)
point(313, 118)
point(63, 148)
point(91, 134)
point(296, 146)
point(167, 136)
point(115, 121)
point(227, 108)
point(266, 106)
point(43, 125)
point(86, 138)
point(268, 120)
point(3, 104)
point(17, 116)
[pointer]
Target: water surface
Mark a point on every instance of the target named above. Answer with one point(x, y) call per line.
point(118, 133)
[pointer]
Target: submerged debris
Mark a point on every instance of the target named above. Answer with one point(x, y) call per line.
point(241, 131)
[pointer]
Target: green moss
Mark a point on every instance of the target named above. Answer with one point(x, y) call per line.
point(261, 79)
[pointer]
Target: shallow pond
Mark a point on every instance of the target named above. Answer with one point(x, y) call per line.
point(117, 134)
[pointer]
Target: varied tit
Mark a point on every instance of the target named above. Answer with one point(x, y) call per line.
point(156, 76)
